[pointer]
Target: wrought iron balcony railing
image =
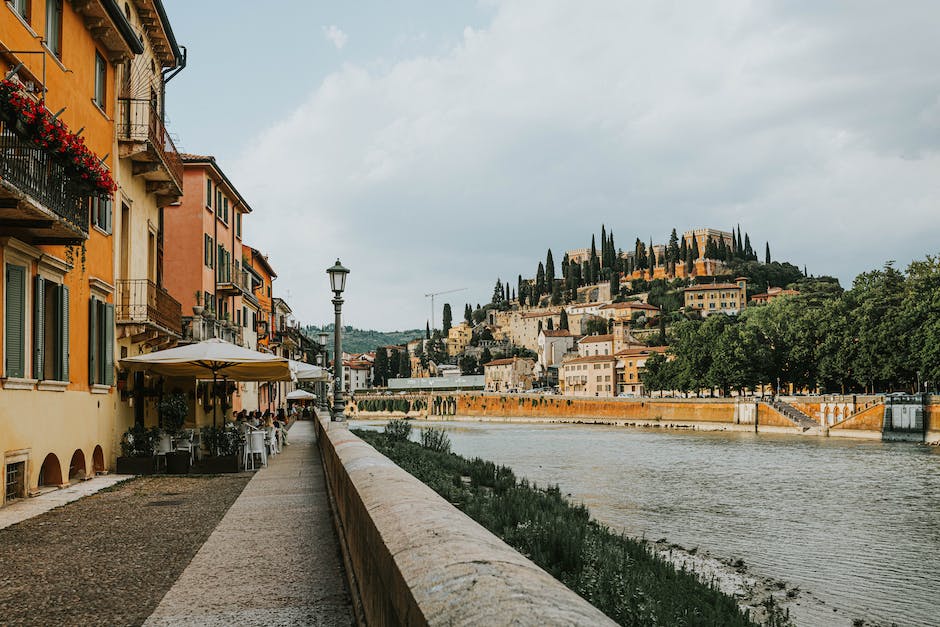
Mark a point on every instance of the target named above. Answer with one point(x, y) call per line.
point(39, 193)
point(140, 122)
point(140, 301)
point(230, 277)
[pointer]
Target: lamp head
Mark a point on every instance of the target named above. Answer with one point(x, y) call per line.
point(337, 277)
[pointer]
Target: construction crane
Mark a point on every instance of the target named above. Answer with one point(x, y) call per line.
point(433, 294)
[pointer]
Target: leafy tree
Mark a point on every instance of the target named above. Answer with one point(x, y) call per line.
point(468, 365)
point(394, 364)
point(446, 319)
point(593, 325)
point(404, 364)
point(380, 367)
point(498, 294)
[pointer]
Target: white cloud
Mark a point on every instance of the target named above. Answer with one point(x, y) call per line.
point(335, 36)
point(447, 171)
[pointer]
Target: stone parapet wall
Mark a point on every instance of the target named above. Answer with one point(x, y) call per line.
point(418, 560)
point(535, 406)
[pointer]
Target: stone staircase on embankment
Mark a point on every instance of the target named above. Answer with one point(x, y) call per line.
point(802, 420)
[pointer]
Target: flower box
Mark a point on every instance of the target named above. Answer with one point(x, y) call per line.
point(137, 465)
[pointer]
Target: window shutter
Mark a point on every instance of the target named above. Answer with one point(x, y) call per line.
point(63, 372)
point(106, 207)
point(15, 322)
point(39, 327)
point(93, 342)
point(108, 335)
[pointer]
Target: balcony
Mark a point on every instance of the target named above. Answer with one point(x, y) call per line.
point(142, 302)
point(41, 201)
point(200, 328)
point(232, 280)
point(145, 141)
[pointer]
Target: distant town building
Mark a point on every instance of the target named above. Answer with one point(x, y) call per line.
point(726, 298)
point(510, 374)
point(625, 311)
point(630, 369)
point(593, 345)
point(772, 293)
point(594, 375)
point(458, 338)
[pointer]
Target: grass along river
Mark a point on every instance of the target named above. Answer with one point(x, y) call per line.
point(853, 525)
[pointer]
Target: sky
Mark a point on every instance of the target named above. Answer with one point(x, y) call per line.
point(436, 146)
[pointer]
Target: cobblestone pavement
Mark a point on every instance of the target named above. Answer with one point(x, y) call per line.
point(274, 558)
point(23, 509)
point(108, 558)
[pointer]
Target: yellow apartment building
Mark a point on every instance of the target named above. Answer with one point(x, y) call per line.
point(726, 298)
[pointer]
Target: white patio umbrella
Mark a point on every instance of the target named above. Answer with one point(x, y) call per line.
point(215, 357)
point(308, 372)
point(301, 395)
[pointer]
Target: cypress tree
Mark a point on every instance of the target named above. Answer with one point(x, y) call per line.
point(497, 293)
point(585, 273)
point(683, 251)
point(549, 269)
point(673, 249)
point(380, 367)
point(468, 314)
point(614, 284)
point(427, 330)
point(652, 259)
point(563, 320)
point(540, 280)
point(393, 363)
point(551, 323)
point(404, 370)
point(740, 243)
point(593, 251)
point(748, 251)
point(446, 319)
point(556, 293)
point(696, 255)
point(603, 247)
point(767, 253)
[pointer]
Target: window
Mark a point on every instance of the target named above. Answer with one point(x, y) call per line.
point(100, 342)
point(207, 299)
point(101, 213)
point(238, 225)
point(22, 8)
point(218, 202)
point(15, 481)
point(50, 330)
point(101, 77)
point(225, 210)
point(15, 322)
point(207, 254)
point(54, 26)
point(208, 192)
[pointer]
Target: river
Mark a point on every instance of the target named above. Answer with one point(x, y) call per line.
point(854, 524)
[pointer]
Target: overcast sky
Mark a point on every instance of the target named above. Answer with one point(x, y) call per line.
point(440, 145)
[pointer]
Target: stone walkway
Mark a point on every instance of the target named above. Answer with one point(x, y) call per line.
point(24, 509)
point(274, 559)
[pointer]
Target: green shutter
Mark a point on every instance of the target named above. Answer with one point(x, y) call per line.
point(93, 342)
point(62, 373)
point(15, 322)
point(39, 327)
point(108, 335)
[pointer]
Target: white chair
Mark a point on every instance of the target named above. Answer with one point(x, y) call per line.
point(185, 443)
point(164, 446)
point(270, 439)
point(254, 445)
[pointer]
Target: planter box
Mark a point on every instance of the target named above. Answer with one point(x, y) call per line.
point(136, 465)
point(216, 465)
point(177, 463)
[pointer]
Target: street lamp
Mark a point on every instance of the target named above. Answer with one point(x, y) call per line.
point(325, 362)
point(338, 284)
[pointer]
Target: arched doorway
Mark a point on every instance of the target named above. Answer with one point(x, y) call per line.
point(97, 460)
point(50, 473)
point(77, 467)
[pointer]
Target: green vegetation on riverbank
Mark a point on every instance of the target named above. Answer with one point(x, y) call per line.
point(617, 574)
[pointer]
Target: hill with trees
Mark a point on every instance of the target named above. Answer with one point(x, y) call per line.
point(363, 340)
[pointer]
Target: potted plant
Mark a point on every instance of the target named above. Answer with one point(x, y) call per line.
point(198, 308)
point(137, 447)
point(223, 444)
point(173, 410)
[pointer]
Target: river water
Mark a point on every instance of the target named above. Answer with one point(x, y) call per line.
point(854, 524)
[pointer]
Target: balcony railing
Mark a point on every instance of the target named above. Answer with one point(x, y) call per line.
point(140, 301)
point(32, 176)
point(200, 328)
point(232, 277)
point(141, 122)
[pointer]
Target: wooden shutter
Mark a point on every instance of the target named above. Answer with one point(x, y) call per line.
point(39, 327)
point(108, 335)
point(62, 374)
point(15, 322)
point(93, 342)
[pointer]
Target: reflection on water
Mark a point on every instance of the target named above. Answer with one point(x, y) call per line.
point(854, 524)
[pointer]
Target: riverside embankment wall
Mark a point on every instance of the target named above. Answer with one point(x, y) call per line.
point(418, 560)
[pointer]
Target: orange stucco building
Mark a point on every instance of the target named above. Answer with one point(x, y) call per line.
point(57, 400)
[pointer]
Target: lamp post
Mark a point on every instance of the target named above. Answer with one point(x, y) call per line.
point(325, 357)
point(338, 283)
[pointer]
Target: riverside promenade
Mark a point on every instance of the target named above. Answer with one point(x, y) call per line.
point(274, 558)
